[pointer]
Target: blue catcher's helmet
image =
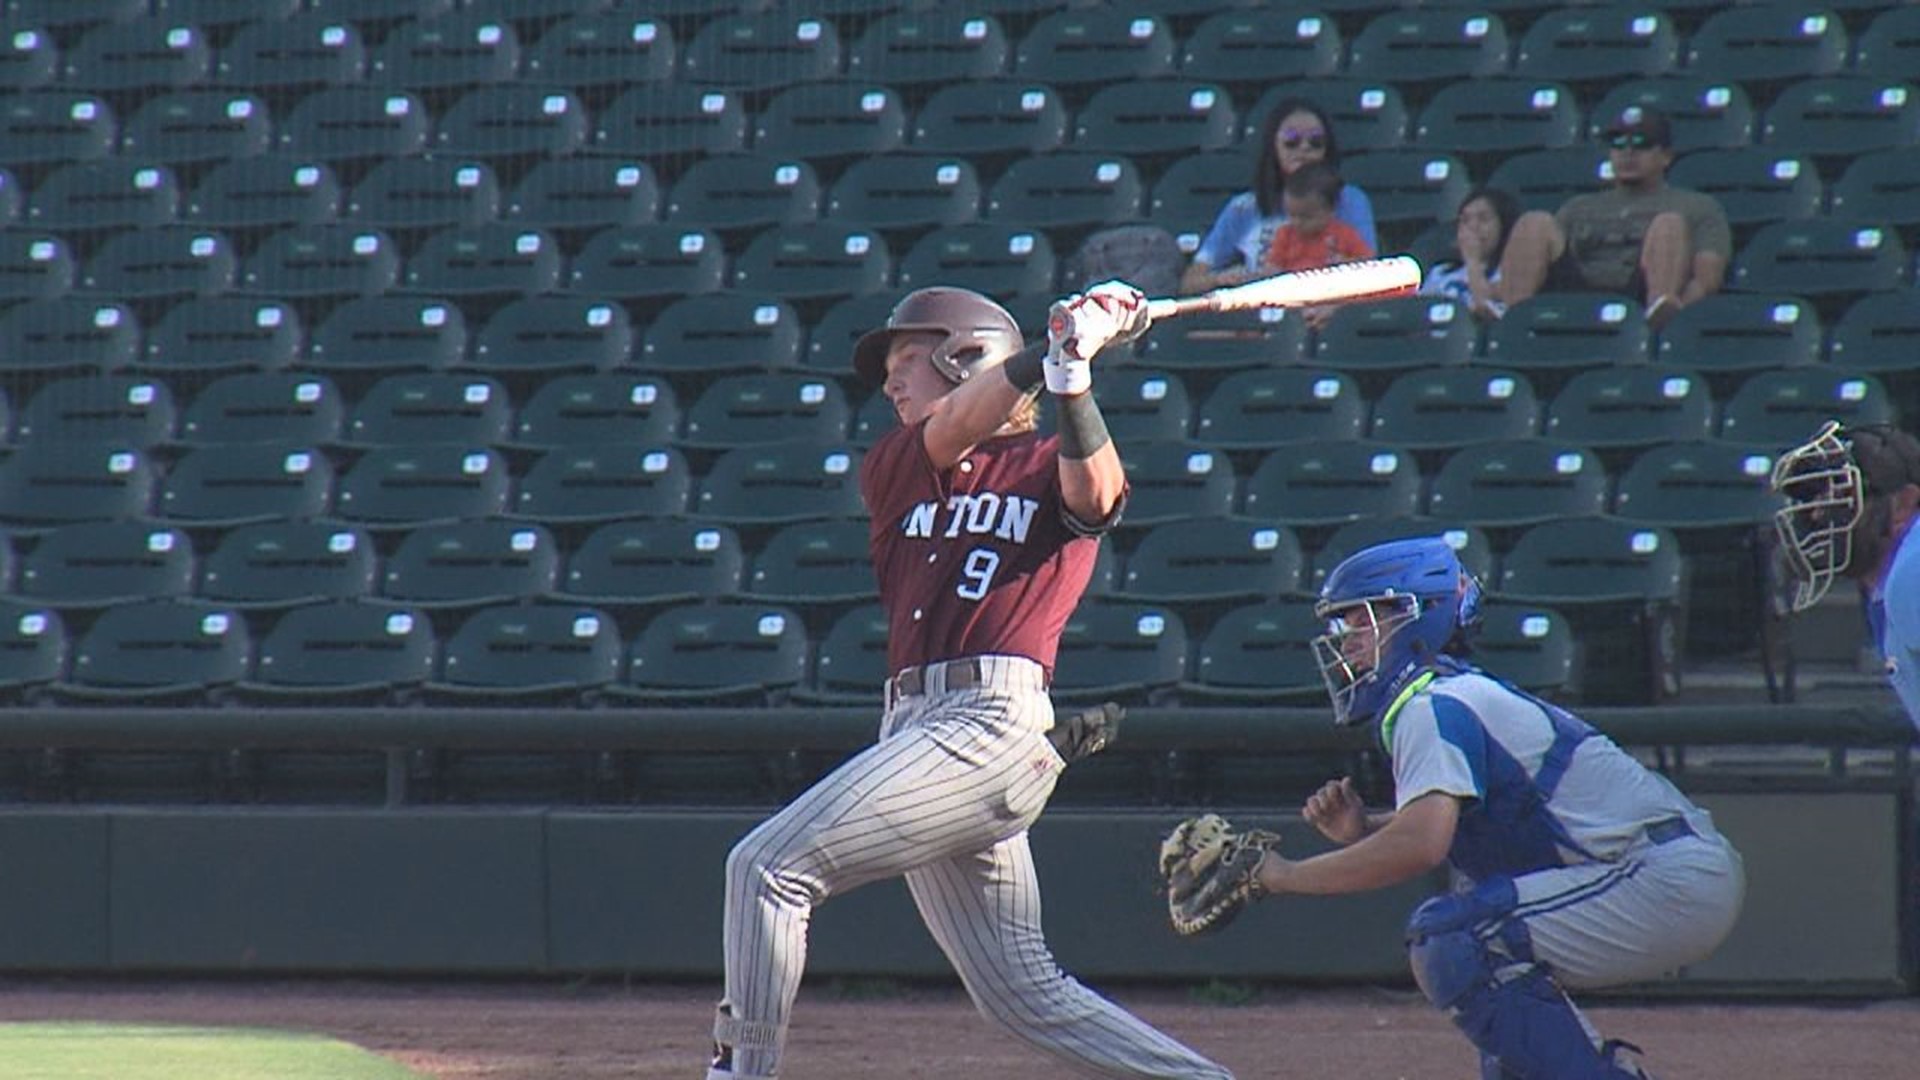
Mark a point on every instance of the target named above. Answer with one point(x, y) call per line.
point(1390, 610)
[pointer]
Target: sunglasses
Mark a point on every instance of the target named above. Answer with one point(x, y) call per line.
point(1312, 139)
point(1630, 140)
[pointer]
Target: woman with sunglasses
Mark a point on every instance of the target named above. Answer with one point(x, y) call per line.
point(1296, 133)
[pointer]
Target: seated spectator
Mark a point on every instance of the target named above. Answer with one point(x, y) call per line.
point(1663, 245)
point(1296, 133)
point(1480, 229)
point(1312, 237)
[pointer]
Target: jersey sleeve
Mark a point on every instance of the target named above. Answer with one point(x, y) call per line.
point(1220, 248)
point(1438, 745)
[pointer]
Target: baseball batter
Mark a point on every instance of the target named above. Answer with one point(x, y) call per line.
point(983, 539)
point(1576, 867)
point(1852, 495)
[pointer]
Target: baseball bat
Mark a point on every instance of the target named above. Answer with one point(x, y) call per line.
point(1368, 279)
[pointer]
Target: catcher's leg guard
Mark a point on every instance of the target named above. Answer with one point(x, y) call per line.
point(1480, 969)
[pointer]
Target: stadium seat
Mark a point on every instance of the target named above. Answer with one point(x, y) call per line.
point(425, 193)
point(820, 568)
point(1470, 543)
point(1518, 482)
point(337, 262)
point(597, 50)
point(405, 487)
point(989, 119)
point(654, 561)
point(1618, 584)
point(554, 333)
point(829, 349)
point(223, 334)
point(68, 335)
point(33, 650)
point(874, 418)
point(1068, 191)
point(284, 56)
point(467, 564)
point(902, 195)
point(1842, 117)
point(162, 262)
point(1121, 651)
point(113, 193)
point(1318, 485)
point(779, 484)
point(740, 653)
point(931, 47)
point(264, 407)
point(569, 410)
point(1189, 192)
point(649, 263)
point(419, 408)
point(1259, 652)
point(1880, 334)
point(374, 334)
point(663, 120)
point(1784, 408)
point(1426, 46)
point(1394, 335)
point(850, 665)
point(1769, 43)
point(1598, 46)
point(831, 121)
point(1543, 179)
point(604, 482)
point(29, 60)
point(103, 564)
point(1157, 120)
point(1409, 188)
point(576, 194)
point(35, 265)
point(1736, 333)
point(1531, 646)
point(1172, 481)
point(55, 126)
point(525, 653)
point(1880, 187)
point(99, 409)
point(1483, 120)
point(194, 126)
point(1754, 184)
point(355, 123)
point(152, 54)
point(455, 50)
point(1248, 49)
point(999, 259)
point(1552, 335)
point(1212, 560)
point(1828, 261)
point(737, 192)
point(742, 410)
point(1264, 408)
point(269, 191)
point(226, 486)
point(762, 51)
point(818, 262)
point(720, 333)
point(285, 564)
point(1369, 114)
point(159, 651)
point(1707, 111)
point(498, 259)
point(1889, 47)
point(1439, 409)
point(343, 652)
point(1087, 49)
point(1141, 405)
point(1629, 408)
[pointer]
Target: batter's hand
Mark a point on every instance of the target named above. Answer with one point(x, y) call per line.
point(1337, 811)
point(1082, 324)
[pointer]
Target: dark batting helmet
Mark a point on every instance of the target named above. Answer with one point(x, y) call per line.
point(979, 333)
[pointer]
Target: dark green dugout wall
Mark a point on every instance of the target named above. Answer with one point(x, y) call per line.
point(525, 892)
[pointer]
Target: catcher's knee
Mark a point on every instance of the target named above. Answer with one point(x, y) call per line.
point(1448, 965)
point(1451, 941)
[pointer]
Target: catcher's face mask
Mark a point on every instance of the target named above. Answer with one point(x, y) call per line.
point(1356, 653)
point(1825, 499)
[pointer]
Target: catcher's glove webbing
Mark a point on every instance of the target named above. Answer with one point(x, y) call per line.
point(1210, 871)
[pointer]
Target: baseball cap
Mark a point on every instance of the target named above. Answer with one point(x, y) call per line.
point(1639, 119)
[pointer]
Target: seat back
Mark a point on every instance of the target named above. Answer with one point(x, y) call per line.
point(1598, 45)
point(1842, 116)
point(934, 46)
point(1211, 560)
point(1753, 184)
point(698, 650)
point(1628, 407)
point(1470, 543)
point(1000, 259)
point(738, 410)
point(1077, 48)
point(850, 666)
point(264, 407)
point(268, 191)
point(227, 485)
point(331, 261)
point(1822, 258)
point(389, 333)
point(655, 561)
point(1698, 485)
point(1784, 408)
point(605, 482)
point(307, 49)
point(906, 192)
point(104, 563)
point(140, 54)
point(575, 194)
point(522, 649)
point(1519, 482)
point(582, 409)
point(1163, 117)
point(289, 563)
point(68, 334)
point(407, 486)
point(1175, 480)
point(35, 265)
point(1543, 179)
point(1889, 48)
point(745, 191)
point(1268, 407)
point(157, 647)
point(814, 563)
point(481, 260)
point(344, 646)
point(161, 262)
point(425, 193)
point(1531, 646)
point(114, 193)
point(650, 262)
point(1879, 332)
point(987, 117)
point(470, 563)
point(820, 261)
point(1769, 42)
point(1068, 189)
point(1369, 114)
point(1142, 405)
point(781, 483)
point(1394, 334)
point(447, 50)
point(1410, 187)
point(1740, 332)
point(1489, 118)
point(1117, 649)
point(601, 49)
point(1263, 649)
point(224, 333)
point(762, 51)
point(46, 484)
point(1255, 48)
point(554, 333)
point(1559, 333)
point(1429, 45)
point(675, 117)
point(1271, 337)
point(513, 122)
point(44, 127)
point(1881, 187)
point(431, 407)
point(1597, 560)
point(33, 647)
point(831, 120)
point(1451, 407)
point(193, 126)
point(357, 122)
point(127, 410)
point(1328, 483)
point(733, 331)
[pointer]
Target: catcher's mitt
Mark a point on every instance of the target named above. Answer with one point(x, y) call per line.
point(1210, 871)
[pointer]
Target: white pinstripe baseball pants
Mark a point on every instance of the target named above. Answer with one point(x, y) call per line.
point(945, 798)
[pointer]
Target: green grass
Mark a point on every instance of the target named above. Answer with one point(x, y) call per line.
point(156, 1052)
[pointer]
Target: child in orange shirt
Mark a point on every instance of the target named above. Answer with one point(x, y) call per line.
point(1312, 237)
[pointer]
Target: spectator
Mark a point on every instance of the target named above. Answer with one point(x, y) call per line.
point(1312, 237)
point(1663, 245)
point(1480, 230)
point(1295, 133)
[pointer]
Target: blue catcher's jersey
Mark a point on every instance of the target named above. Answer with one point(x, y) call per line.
point(1894, 610)
point(1541, 787)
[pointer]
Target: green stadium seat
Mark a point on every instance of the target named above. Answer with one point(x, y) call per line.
point(1826, 260)
point(1598, 46)
point(1543, 179)
point(1158, 119)
point(1531, 646)
point(779, 484)
point(1630, 408)
point(1483, 120)
point(342, 652)
point(762, 51)
point(814, 566)
point(997, 258)
point(157, 652)
point(850, 665)
point(743, 410)
point(654, 561)
point(113, 193)
point(569, 410)
point(817, 263)
point(1141, 405)
point(1254, 48)
point(1502, 486)
point(373, 334)
point(53, 126)
point(100, 409)
point(33, 650)
point(1315, 486)
point(526, 653)
point(288, 564)
point(1783, 408)
point(270, 191)
point(35, 265)
point(1087, 49)
point(1842, 117)
point(355, 123)
point(1172, 481)
point(1264, 408)
point(905, 195)
point(223, 333)
point(70, 334)
point(225, 486)
point(425, 193)
point(1769, 43)
point(1120, 651)
point(831, 121)
point(406, 487)
point(1190, 191)
point(1450, 407)
point(1882, 186)
point(604, 49)
point(1369, 114)
point(661, 120)
point(420, 408)
point(1068, 190)
point(139, 54)
point(1409, 188)
point(1398, 334)
point(829, 349)
point(1731, 334)
point(572, 194)
point(1259, 653)
point(1427, 46)
point(720, 333)
point(989, 119)
point(497, 259)
point(1889, 47)
point(198, 126)
point(930, 47)
point(459, 49)
point(1707, 111)
point(284, 56)
point(468, 564)
point(714, 653)
point(101, 564)
point(321, 262)
point(264, 407)
point(1880, 335)
point(1754, 185)
point(745, 191)
point(646, 263)
point(29, 60)
point(161, 262)
point(513, 122)
point(1552, 335)
point(1212, 560)
point(589, 484)
point(554, 333)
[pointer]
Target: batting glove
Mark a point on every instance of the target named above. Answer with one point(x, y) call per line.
point(1079, 326)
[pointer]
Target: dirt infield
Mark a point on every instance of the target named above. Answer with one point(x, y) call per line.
point(549, 1031)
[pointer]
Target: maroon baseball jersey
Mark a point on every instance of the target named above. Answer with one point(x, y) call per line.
point(976, 560)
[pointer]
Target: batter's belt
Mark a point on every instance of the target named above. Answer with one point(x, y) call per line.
point(968, 673)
